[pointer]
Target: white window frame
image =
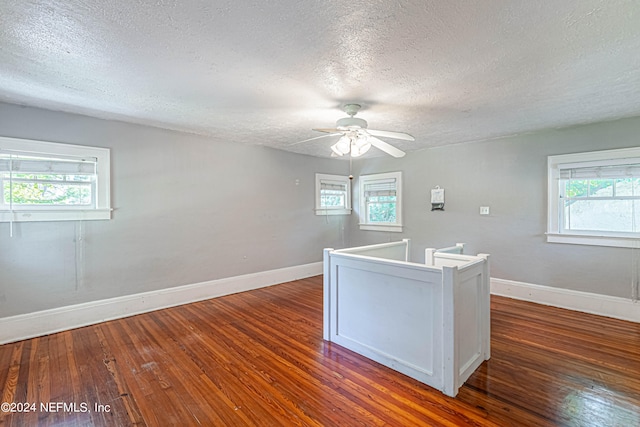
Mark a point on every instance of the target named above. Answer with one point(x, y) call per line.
point(381, 226)
point(102, 208)
point(555, 232)
point(332, 179)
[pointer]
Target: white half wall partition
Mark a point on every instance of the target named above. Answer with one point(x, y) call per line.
point(430, 322)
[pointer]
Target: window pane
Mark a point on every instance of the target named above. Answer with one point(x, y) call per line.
point(601, 215)
point(381, 202)
point(332, 195)
point(601, 188)
point(627, 187)
point(40, 193)
point(381, 209)
point(48, 181)
point(577, 188)
point(332, 198)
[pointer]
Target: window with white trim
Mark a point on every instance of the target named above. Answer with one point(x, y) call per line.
point(333, 195)
point(381, 202)
point(594, 198)
point(47, 181)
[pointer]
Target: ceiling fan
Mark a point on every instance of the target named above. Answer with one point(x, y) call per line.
point(356, 139)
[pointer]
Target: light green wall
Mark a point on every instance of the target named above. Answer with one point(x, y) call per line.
point(243, 212)
point(188, 209)
point(509, 176)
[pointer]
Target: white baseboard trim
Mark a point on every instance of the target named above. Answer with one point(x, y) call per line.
point(23, 326)
point(602, 305)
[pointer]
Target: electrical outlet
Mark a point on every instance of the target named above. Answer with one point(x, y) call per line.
point(484, 210)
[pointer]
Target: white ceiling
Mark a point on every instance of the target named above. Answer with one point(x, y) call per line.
point(267, 72)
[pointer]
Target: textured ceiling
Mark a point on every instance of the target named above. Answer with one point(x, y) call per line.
point(267, 72)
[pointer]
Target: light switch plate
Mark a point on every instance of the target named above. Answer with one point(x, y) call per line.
point(484, 210)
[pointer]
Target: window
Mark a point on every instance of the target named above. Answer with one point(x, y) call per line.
point(333, 195)
point(381, 202)
point(46, 181)
point(594, 198)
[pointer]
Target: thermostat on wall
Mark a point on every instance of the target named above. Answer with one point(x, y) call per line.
point(437, 199)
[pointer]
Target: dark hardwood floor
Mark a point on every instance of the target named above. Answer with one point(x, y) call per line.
point(258, 358)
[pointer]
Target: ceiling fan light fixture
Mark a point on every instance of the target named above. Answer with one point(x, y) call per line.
point(359, 146)
point(343, 144)
point(336, 150)
point(361, 141)
point(355, 152)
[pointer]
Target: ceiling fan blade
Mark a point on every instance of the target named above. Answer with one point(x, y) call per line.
point(387, 148)
point(316, 137)
point(327, 130)
point(389, 134)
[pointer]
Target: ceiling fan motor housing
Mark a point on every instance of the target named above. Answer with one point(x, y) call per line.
point(351, 122)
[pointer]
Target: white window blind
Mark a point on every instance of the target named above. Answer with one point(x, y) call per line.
point(9, 163)
point(628, 170)
point(380, 188)
point(333, 186)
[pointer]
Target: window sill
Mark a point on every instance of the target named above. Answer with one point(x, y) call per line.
point(55, 215)
point(396, 228)
point(333, 211)
point(594, 240)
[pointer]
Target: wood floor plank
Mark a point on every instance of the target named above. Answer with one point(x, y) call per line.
point(287, 349)
point(118, 393)
point(245, 389)
point(258, 358)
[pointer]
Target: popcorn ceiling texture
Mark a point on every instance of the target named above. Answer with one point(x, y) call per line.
point(258, 72)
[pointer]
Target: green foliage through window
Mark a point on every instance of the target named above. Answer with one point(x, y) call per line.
point(588, 187)
point(332, 198)
point(609, 205)
point(22, 189)
point(381, 209)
